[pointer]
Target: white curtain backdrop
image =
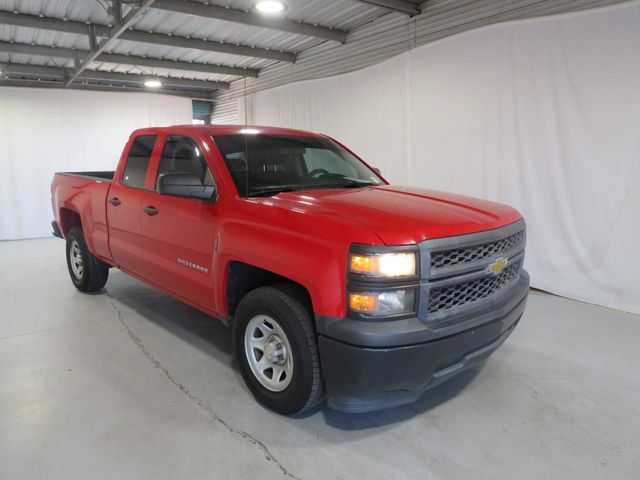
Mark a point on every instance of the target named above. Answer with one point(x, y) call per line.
point(44, 131)
point(541, 114)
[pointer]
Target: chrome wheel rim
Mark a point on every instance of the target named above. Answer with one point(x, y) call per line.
point(268, 353)
point(75, 259)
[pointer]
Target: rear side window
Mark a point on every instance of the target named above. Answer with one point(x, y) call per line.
point(182, 155)
point(135, 170)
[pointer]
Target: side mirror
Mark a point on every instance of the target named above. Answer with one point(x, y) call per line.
point(377, 170)
point(185, 185)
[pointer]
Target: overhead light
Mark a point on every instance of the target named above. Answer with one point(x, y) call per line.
point(270, 6)
point(153, 83)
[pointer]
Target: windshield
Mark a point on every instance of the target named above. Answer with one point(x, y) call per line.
point(268, 164)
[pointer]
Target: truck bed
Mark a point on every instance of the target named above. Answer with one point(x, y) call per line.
point(86, 192)
point(99, 176)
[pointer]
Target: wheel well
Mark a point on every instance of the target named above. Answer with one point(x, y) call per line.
point(242, 278)
point(69, 219)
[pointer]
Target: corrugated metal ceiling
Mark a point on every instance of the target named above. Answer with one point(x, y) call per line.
point(339, 14)
point(374, 35)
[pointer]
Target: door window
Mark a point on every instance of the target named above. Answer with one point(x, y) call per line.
point(135, 169)
point(182, 155)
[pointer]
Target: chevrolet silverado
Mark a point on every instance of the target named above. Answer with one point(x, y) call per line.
point(337, 285)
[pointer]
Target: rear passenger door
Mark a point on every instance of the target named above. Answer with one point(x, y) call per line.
point(124, 205)
point(179, 233)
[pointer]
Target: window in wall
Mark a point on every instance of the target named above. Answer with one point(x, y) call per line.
point(201, 112)
point(135, 169)
point(182, 155)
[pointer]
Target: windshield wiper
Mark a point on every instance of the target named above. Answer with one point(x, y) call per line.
point(350, 183)
point(268, 191)
point(345, 182)
point(275, 189)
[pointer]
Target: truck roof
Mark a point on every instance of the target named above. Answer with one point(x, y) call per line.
point(231, 130)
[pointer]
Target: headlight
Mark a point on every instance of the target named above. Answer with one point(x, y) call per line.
point(384, 265)
point(385, 303)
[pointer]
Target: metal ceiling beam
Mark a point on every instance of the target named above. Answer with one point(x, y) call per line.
point(42, 23)
point(16, 69)
point(402, 6)
point(28, 49)
point(10, 69)
point(121, 25)
point(206, 46)
point(4, 82)
point(166, 81)
point(250, 18)
point(174, 65)
point(68, 53)
point(79, 28)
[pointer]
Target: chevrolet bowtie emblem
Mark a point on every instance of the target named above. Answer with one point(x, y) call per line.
point(498, 266)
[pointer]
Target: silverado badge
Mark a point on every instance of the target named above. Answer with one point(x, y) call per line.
point(498, 266)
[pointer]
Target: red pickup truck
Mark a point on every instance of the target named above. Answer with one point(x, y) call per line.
point(337, 284)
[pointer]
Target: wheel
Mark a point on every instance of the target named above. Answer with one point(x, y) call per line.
point(87, 273)
point(276, 349)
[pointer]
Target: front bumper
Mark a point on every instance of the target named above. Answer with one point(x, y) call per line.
point(368, 376)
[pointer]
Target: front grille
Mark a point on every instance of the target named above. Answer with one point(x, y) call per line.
point(464, 293)
point(456, 256)
point(455, 276)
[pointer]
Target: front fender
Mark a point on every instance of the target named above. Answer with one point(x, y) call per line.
point(317, 262)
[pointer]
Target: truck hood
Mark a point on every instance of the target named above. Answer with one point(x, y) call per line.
point(400, 215)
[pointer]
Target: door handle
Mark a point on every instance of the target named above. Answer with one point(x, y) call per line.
point(115, 201)
point(151, 210)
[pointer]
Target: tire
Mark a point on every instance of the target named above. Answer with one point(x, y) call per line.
point(87, 273)
point(285, 307)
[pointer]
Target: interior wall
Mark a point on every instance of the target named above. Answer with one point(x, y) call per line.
point(43, 131)
point(541, 114)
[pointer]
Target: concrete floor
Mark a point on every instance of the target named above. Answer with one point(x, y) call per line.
point(129, 383)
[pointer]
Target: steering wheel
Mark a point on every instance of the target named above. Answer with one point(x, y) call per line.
point(318, 171)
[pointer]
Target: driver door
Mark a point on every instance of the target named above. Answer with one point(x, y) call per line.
point(178, 234)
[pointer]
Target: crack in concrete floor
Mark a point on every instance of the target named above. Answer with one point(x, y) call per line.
point(201, 403)
point(44, 330)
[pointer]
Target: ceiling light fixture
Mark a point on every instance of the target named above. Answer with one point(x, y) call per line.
point(270, 6)
point(153, 83)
